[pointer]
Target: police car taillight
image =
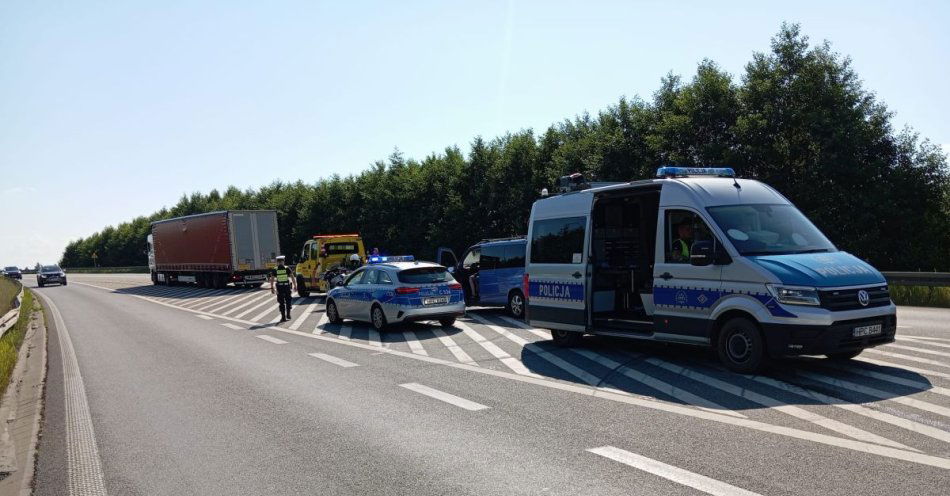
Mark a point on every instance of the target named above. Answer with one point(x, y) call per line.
point(455, 286)
point(407, 290)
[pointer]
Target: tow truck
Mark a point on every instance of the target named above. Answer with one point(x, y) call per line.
point(322, 253)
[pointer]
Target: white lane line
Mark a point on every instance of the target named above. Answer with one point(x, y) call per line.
point(907, 357)
point(267, 311)
point(318, 329)
point(893, 379)
point(457, 351)
point(270, 339)
point(82, 454)
point(307, 311)
point(775, 404)
point(206, 317)
point(887, 418)
point(233, 326)
point(243, 298)
point(515, 365)
point(671, 473)
point(546, 335)
point(414, 345)
point(926, 338)
point(256, 305)
point(919, 350)
point(374, 338)
point(212, 297)
point(922, 341)
point(346, 332)
point(657, 384)
point(877, 393)
point(334, 360)
point(443, 396)
point(885, 363)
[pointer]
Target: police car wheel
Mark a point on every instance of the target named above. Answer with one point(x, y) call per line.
point(447, 322)
point(844, 355)
point(740, 347)
point(566, 339)
point(378, 318)
point(516, 304)
point(332, 314)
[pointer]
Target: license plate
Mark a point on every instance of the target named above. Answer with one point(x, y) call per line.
point(439, 300)
point(868, 330)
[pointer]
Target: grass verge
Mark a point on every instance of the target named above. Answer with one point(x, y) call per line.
point(921, 296)
point(8, 291)
point(107, 270)
point(11, 341)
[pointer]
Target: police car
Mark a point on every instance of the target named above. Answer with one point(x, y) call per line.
point(397, 289)
point(698, 256)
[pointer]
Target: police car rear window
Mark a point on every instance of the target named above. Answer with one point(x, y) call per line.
point(424, 275)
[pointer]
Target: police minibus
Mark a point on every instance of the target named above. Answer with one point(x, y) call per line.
point(699, 256)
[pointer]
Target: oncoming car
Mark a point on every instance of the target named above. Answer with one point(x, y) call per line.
point(48, 274)
point(397, 289)
point(12, 272)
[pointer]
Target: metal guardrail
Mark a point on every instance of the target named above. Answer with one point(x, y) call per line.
point(8, 320)
point(933, 279)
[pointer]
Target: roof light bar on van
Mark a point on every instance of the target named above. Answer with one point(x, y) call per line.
point(320, 236)
point(390, 259)
point(695, 171)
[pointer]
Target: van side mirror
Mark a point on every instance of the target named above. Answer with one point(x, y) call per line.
point(702, 254)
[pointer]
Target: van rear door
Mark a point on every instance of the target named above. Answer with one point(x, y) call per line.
point(557, 270)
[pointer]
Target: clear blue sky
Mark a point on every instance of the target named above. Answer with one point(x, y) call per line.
point(109, 110)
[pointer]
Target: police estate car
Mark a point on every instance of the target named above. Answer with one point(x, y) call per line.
point(698, 256)
point(397, 289)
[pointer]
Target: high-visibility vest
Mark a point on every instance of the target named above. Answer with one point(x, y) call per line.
point(683, 248)
point(283, 275)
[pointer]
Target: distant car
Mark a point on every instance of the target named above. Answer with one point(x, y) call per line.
point(12, 272)
point(50, 274)
point(397, 289)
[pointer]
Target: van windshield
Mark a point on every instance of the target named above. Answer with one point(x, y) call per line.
point(769, 230)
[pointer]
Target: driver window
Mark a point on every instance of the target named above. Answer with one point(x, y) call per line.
point(683, 228)
point(472, 258)
point(372, 277)
point(384, 278)
point(303, 253)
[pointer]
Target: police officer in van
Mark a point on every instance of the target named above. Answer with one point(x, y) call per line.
point(682, 245)
point(285, 285)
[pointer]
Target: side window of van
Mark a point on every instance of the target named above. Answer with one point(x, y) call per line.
point(558, 241)
point(683, 228)
point(514, 256)
point(492, 257)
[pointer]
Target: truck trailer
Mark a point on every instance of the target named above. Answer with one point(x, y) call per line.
point(214, 249)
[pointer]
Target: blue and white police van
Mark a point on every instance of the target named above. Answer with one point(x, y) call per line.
point(698, 256)
point(397, 289)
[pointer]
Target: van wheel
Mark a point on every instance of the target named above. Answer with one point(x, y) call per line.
point(566, 339)
point(302, 288)
point(378, 318)
point(516, 304)
point(844, 355)
point(333, 316)
point(741, 347)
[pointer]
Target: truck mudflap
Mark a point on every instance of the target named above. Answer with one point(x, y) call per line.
point(840, 336)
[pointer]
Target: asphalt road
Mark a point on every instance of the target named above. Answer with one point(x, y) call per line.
point(173, 390)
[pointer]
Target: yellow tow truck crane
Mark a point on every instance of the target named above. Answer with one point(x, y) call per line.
point(322, 253)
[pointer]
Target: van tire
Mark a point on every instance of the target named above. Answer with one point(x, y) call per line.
point(302, 288)
point(566, 339)
point(516, 304)
point(844, 355)
point(333, 315)
point(740, 346)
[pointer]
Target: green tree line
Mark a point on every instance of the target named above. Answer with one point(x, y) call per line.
point(798, 119)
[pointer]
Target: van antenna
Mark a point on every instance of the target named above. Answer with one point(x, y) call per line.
point(734, 182)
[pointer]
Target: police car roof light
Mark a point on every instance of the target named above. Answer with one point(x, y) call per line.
point(695, 171)
point(389, 259)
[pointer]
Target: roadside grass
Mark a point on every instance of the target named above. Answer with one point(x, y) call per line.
point(8, 291)
point(107, 270)
point(921, 296)
point(11, 341)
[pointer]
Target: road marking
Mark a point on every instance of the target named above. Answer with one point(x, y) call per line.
point(270, 339)
point(414, 343)
point(545, 335)
point(266, 312)
point(893, 379)
point(877, 393)
point(923, 341)
point(908, 357)
point(778, 405)
point(374, 338)
point(303, 316)
point(443, 396)
point(258, 304)
point(905, 367)
point(82, 453)
point(456, 350)
point(346, 332)
point(515, 365)
point(206, 317)
point(334, 360)
point(919, 350)
point(318, 329)
point(241, 298)
point(212, 298)
point(256, 299)
point(671, 473)
point(650, 403)
point(233, 326)
point(926, 338)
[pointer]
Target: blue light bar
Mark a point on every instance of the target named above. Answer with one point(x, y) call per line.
point(389, 259)
point(695, 171)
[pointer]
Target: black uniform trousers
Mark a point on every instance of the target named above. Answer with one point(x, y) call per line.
point(284, 299)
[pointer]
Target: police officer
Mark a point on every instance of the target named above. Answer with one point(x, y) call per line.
point(682, 245)
point(285, 285)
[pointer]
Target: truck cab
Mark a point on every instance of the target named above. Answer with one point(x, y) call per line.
point(698, 256)
point(323, 253)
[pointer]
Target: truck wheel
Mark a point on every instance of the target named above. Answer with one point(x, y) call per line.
point(741, 347)
point(154, 278)
point(378, 318)
point(566, 339)
point(516, 304)
point(302, 288)
point(333, 316)
point(844, 355)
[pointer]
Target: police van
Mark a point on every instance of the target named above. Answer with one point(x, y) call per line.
point(699, 256)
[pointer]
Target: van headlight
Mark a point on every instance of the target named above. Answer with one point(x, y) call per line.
point(794, 295)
